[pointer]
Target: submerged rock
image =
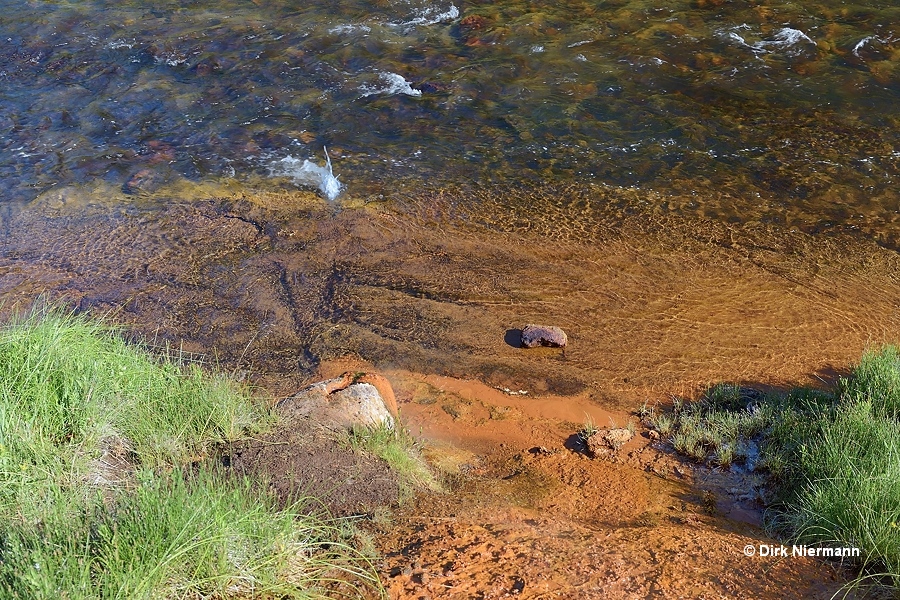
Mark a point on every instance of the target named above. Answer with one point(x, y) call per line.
point(144, 181)
point(542, 335)
point(353, 399)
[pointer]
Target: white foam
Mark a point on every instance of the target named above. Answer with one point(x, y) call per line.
point(734, 38)
point(349, 28)
point(394, 84)
point(431, 16)
point(787, 39)
point(537, 49)
point(118, 44)
point(308, 173)
point(171, 58)
point(869, 39)
point(862, 43)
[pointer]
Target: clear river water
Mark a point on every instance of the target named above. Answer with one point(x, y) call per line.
point(739, 110)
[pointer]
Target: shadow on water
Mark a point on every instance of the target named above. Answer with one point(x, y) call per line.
point(513, 338)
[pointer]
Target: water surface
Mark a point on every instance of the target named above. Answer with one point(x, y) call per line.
point(738, 110)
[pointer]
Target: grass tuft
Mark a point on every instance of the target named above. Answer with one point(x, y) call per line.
point(399, 450)
point(833, 458)
point(876, 380)
point(71, 390)
point(176, 537)
point(588, 429)
point(713, 428)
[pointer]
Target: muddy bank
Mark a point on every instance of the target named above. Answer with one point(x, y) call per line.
point(299, 462)
point(527, 514)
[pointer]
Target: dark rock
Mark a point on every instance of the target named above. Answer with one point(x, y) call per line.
point(541, 335)
point(433, 87)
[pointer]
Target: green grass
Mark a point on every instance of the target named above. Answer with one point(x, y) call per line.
point(173, 537)
point(70, 387)
point(833, 457)
point(850, 491)
point(876, 380)
point(719, 426)
point(588, 429)
point(398, 449)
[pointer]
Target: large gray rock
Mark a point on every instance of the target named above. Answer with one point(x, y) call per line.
point(339, 404)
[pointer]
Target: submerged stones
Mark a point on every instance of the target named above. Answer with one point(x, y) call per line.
point(543, 335)
point(353, 399)
point(144, 181)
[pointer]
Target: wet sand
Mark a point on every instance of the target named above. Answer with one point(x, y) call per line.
point(430, 291)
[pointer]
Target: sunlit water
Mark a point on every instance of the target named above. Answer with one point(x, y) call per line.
point(738, 110)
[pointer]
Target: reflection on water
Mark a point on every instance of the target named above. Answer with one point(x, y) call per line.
point(761, 110)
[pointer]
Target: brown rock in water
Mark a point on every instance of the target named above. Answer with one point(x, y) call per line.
point(542, 335)
point(374, 379)
point(473, 22)
point(145, 181)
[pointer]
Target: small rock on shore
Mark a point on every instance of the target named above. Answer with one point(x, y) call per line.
point(606, 441)
point(353, 399)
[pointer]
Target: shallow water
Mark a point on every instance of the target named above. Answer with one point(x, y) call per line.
point(121, 118)
point(761, 111)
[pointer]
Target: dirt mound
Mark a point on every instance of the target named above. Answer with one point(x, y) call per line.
point(300, 460)
point(493, 552)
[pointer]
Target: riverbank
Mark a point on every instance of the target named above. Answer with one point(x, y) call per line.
point(529, 516)
point(280, 286)
point(110, 485)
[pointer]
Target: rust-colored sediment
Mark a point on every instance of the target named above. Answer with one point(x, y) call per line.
point(432, 297)
point(527, 515)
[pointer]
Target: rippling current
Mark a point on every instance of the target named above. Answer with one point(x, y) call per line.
point(735, 109)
